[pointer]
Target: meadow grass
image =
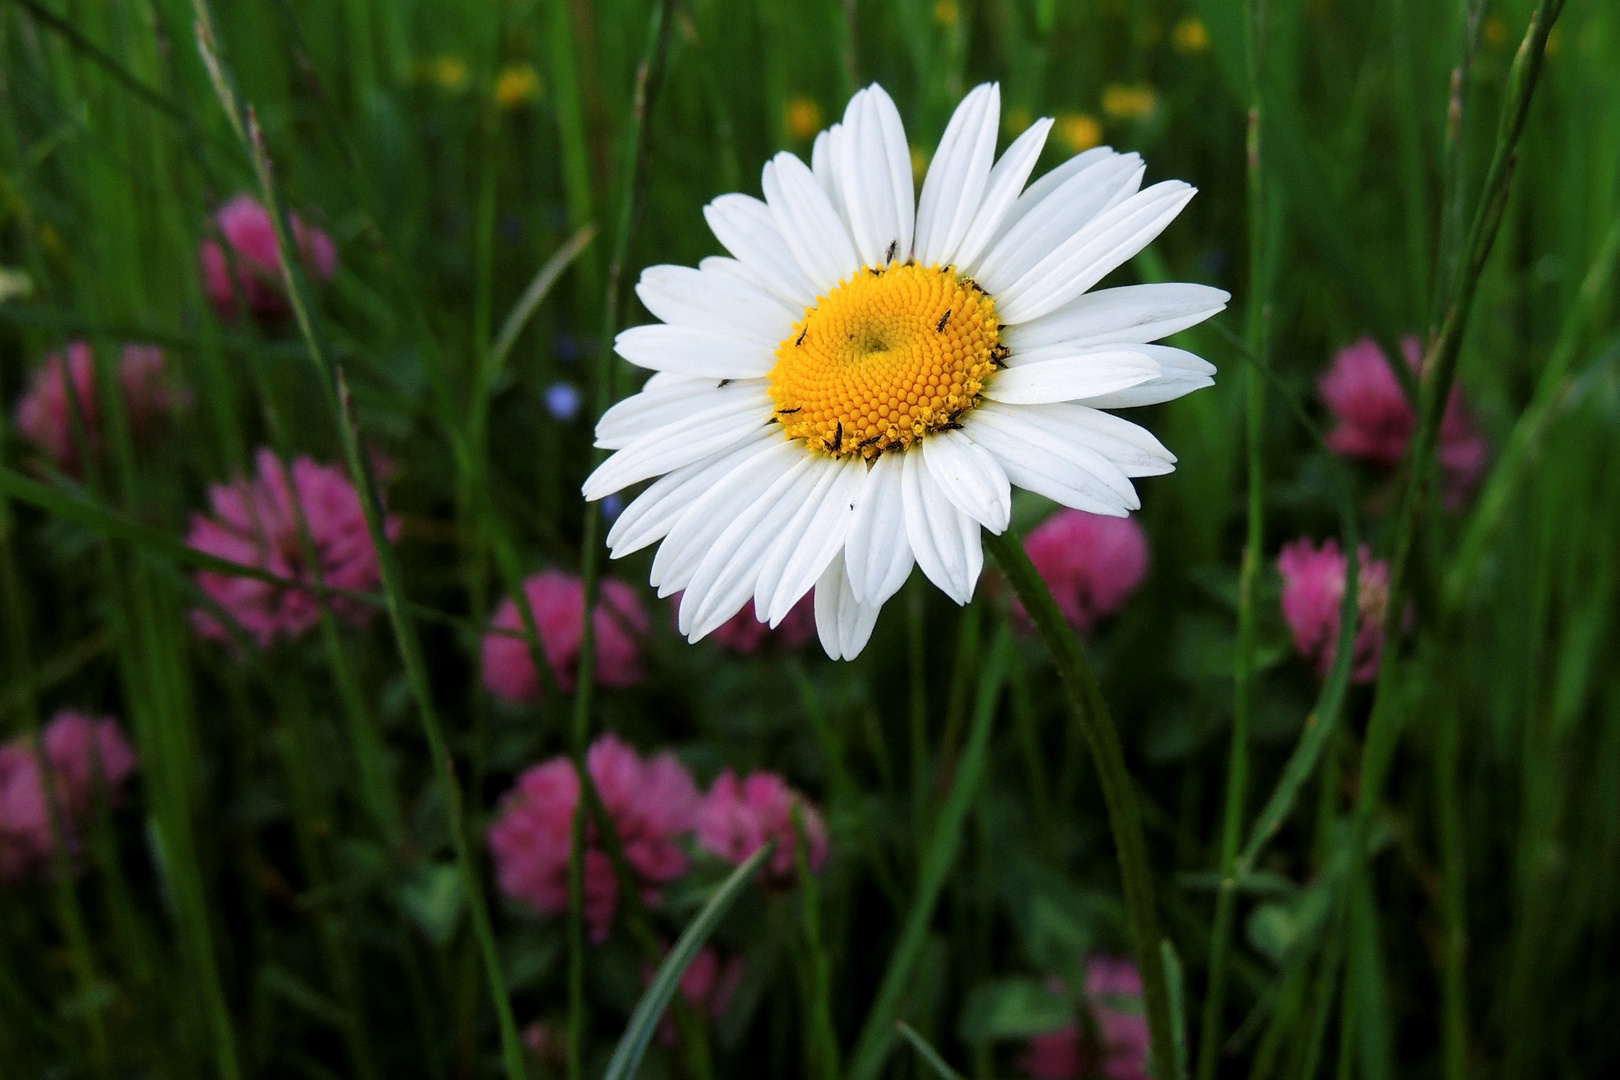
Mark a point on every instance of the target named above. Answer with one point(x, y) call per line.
point(1415, 877)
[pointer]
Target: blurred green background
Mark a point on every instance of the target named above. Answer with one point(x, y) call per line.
point(252, 912)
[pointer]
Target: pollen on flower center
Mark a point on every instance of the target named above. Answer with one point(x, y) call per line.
point(885, 358)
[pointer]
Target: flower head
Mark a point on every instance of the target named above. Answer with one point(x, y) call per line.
point(45, 415)
point(803, 118)
point(1119, 1049)
point(1375, 420)
point(517, 84)
point(1313, 588)
point(1189, 35)
point(651, 802)
point(1078, 132)
point(558, 603)
point(84, 753)
point(248, 231)
point(857, 390)
point(1122, 102)
point(738, 817)
point(1091, 563)
point(256, 521)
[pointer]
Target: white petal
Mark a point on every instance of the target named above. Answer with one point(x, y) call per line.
point(945, 540)
point(1072, 378)
point(672, 446)
point(1000, 194)
point(670, 402)
point(683, 296)
point(1036, 193)
point(1181, 372)
point(1038, 461)
point(811, 542)
point(690, 351)
point(825, 161)
point(877, 553)
point(1129, 446)
point(957, 176)
point(1032, 230)
point(745, 226)
point(691, 537)
point(970, 477)
point(1128, 315)
point(843, 623)
point(808, 222)
point(875, 177)
point(655, 511)
point(725, 577)
point(1083, 259)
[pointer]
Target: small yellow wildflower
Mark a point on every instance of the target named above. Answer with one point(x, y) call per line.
point(1078, 131)
point(1018, 120)
point(50, 239)
point(517, 84)
point(1189, 35)
point(803, 118)
point(919, 164)
point(450, 72)
point(1123, 102)
point(1496, 31)
point(947, 13)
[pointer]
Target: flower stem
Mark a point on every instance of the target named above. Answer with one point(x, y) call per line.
point(1124, 817)
point(1237, 772)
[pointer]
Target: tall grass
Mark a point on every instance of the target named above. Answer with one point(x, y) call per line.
point(1416, 878)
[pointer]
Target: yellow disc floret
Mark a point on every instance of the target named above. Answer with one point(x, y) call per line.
point(885, 358)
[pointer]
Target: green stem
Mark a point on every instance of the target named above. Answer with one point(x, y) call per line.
point(1124, 816)
point(409, 645)
point(649, 76)
point(823, 1036)
point(1237, 775)
point(877, 1033)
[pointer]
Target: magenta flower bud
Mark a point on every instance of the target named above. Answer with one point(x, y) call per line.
point(1091, 563)
point(255, 521)
point(557, 601)
point(652, 803)
point(246, 227)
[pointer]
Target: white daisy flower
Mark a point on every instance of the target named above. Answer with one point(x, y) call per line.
point(859, 386)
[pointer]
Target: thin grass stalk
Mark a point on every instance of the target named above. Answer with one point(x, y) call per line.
point(1322, 721)
point(312, 815)
point(1529, 431)
point(1124, 816)
point(576, 153)
point(649, 78)
point(877, 1033)
point(917, 668)
point(360, 469)
point(1237, 774)
point(1440, 368)
point(69, 911)
point(823, 1036)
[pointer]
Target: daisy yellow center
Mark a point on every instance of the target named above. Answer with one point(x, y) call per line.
point(885, 358)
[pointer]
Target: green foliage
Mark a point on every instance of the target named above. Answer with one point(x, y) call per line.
point(298, 885)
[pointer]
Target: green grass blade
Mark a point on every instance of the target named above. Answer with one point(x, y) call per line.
point(929, 1055)
point(877, 1034)
point(650, 1009)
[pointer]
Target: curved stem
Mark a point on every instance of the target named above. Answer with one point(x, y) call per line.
point(1124, 817)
